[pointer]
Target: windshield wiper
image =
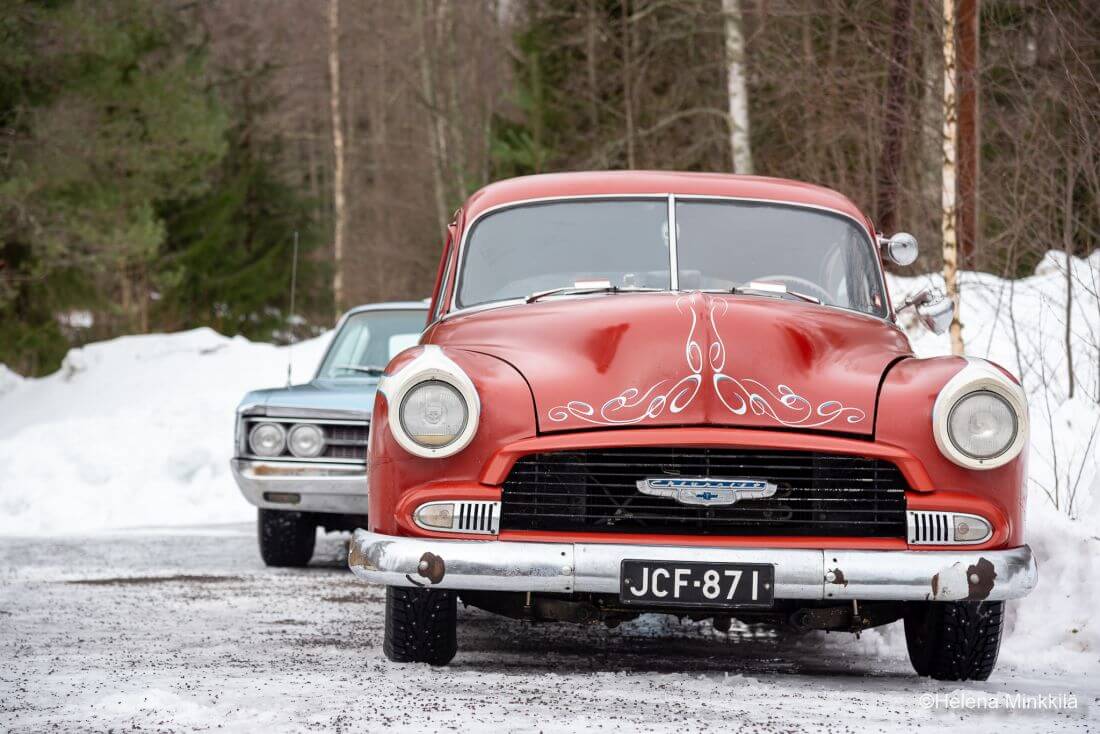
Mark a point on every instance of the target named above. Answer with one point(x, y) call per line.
point(370, 369)
point(575, 290)
point(777, 289)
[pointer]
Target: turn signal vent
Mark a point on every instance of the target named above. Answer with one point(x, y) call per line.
point(477, 517)
point(947, 528)
point(930, 528)
point(465, 516)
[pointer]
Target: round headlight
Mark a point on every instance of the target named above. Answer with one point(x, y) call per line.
point(982, 425)
point(306, 441)
point(267, 439)
point(433, 414)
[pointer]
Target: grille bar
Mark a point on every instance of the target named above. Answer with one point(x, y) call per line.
point(595, 490)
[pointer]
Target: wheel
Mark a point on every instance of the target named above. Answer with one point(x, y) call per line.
point(954, 640)
point(420, 625)
point(286, 538)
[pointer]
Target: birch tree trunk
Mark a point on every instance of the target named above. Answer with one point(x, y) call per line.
point(736, 89)
point(339, 201)
point(950, 156)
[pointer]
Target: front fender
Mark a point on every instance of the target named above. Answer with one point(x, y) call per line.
point(507, 415)
point(904, 420)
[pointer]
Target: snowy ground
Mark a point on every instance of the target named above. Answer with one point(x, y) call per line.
point(137, 432)
point(184, 629)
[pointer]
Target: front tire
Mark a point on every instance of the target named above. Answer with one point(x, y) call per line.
point(954, 640)
point(286, 538)
point(421, 625)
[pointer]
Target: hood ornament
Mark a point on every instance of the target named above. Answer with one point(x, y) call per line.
point(707, 491)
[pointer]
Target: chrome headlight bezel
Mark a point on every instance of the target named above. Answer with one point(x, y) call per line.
point(979, 376)
point(430, 365)
point(297, 427)
point(252, 434)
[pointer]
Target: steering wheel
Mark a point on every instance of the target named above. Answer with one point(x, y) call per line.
point(802, 285)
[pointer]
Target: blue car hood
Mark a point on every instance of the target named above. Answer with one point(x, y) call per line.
point(354, 397)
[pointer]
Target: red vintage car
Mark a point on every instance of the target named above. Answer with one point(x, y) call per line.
point(687, 393)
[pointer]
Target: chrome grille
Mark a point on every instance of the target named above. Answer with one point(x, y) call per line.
point(595, 490)
point(345, 441)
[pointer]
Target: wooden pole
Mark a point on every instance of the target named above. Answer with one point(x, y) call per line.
point(969, 129)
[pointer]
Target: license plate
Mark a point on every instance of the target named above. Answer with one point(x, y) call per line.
point(690, 584)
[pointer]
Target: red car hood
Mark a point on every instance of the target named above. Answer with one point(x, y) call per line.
point(666, 359)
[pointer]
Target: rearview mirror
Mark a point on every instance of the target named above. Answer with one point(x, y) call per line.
point(934, 309)
point(900, 249)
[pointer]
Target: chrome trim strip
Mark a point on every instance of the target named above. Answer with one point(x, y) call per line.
point(309, 415)
point(320, 461)
point(673, 253)
point(800, 573)
point(298, 417)
point(453, 307)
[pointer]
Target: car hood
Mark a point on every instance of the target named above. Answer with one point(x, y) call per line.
point(663, 359)
point(349, 398)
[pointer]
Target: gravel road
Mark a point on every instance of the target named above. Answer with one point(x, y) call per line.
point(184, 629)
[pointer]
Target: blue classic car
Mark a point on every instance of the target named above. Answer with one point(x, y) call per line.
point(301, 451)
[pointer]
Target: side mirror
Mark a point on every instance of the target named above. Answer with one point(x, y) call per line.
point(900, 249)
point(934, 309)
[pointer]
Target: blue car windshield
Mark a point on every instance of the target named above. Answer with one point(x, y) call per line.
point(368, 340)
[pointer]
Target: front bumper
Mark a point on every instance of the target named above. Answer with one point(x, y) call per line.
point(318, 487)
point(594, 567)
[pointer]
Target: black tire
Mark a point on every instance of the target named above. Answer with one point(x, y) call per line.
point(421, 625)
point(286, 538)
point(954, 640)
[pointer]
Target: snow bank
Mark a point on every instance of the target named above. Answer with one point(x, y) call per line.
point(1064, 460)
point(134, 431)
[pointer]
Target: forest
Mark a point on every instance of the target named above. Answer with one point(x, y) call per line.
point(162, 160)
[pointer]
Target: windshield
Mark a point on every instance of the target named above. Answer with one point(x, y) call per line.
point(623, 243)
point(722, 244)
point(527, 249)
point(368, 340)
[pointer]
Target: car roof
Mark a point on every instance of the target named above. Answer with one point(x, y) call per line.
point(389, 306)
point(618, 183)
